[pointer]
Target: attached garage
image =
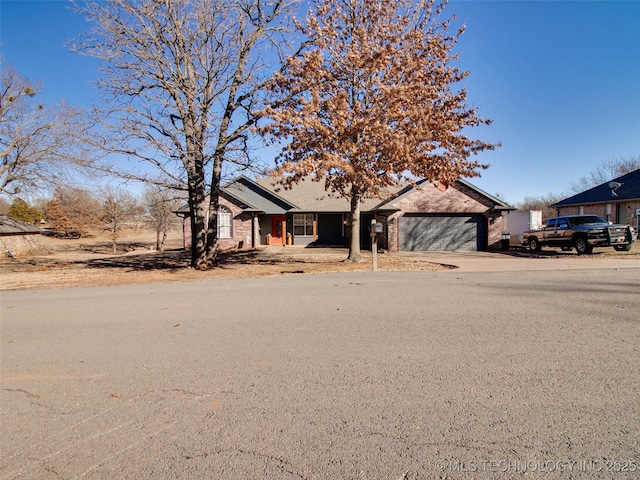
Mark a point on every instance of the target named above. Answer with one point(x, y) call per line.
point(433, 232)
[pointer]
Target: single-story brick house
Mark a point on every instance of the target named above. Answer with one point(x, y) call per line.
point(617, 201)
point(426, 216)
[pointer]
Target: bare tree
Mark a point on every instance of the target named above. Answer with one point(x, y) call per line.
point(541, 203)
point(38, 145)
point(4, 206)
point(372, 101)
point(605, 171)
point(185, 82)
point(118, 207)
point(159, 206)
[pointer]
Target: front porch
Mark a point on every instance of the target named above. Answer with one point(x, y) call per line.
point(303, 229)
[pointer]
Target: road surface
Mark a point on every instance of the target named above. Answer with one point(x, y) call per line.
point(385, 375)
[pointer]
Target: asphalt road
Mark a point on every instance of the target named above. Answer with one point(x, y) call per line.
point(386, 375)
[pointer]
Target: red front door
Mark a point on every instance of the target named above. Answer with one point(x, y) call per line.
point(277, 222)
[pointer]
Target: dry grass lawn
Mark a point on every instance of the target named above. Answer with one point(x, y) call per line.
point(89, 262)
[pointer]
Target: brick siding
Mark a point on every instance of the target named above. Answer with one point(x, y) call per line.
point(430, 199)
point(626, 216)
point(240, 229)
point(427, 199)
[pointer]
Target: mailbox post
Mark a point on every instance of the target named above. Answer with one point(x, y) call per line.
point(376, 228)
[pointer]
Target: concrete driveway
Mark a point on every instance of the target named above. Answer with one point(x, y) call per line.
point(385, 375)
point(523, 261)
point(474, 261)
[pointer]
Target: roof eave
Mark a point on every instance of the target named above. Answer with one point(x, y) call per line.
point(18, 233)
point(498, 204)
point(238, 198)
point(595, 202)
point(266, 190)
point(388, 208)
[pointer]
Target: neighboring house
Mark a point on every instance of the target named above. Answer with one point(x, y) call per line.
point(426, 216)
point(617, 201)
point(18, 237)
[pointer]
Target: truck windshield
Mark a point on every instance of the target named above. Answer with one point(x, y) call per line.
point(587, 220)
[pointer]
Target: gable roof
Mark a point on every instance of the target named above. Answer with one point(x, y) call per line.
point(257, 196)
point(11, 226)
point(309, 195)
point(270, 196)
point(628, 190)
point(250, 196)
point(493, 203)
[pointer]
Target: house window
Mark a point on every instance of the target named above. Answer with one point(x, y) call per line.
point(303, 224)
point(225, 222)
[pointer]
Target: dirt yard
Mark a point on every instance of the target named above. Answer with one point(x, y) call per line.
point(90, 262)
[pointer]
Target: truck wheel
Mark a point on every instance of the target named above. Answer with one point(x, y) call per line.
point(582, 247)
point(534, 245)
point(622, 248)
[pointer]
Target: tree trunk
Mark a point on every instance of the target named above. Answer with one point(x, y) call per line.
point(198, 251)
point(164, 239)
point(115, 248)
point(157, 240)
point(196, 206)
point(214, 204)
point(354, 246)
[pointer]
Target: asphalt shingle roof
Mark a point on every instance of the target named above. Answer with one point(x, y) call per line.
point(628, 190)
point(270, 196)
point(258, 197)
point(11, 226)
point(310, 196)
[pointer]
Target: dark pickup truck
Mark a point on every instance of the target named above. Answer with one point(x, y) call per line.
point(582, 232)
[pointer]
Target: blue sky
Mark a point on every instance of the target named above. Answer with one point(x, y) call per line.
point(559, 79)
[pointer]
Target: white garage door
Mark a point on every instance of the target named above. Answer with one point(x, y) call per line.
point(439, 232)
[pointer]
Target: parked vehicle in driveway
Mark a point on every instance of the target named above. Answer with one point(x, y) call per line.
point(582, 232)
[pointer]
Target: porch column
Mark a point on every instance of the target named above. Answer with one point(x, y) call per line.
point(284, 230)
point(253, 229)
point(315, 227)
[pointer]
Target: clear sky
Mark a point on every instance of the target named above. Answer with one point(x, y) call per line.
point(559, 79)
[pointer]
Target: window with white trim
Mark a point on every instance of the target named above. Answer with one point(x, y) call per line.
point(225, 223)
point(303, 224)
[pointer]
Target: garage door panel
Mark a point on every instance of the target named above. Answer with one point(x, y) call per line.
point(434, 232)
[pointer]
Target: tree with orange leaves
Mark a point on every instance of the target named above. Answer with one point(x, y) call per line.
point(372, 101)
